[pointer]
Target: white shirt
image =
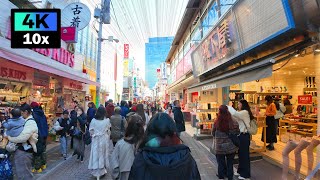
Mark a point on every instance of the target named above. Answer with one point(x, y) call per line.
point(241, 117)
point(280, 113)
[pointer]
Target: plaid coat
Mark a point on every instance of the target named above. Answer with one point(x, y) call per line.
point(222, 144)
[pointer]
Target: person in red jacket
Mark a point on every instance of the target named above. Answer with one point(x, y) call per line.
point(110, 108)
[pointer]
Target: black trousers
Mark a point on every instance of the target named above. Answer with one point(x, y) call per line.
point(271, 130)
point(225, 165)
point(244, 156)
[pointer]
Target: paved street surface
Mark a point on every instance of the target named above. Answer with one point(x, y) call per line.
point(71, 169)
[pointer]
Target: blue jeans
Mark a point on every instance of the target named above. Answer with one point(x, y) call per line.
point(63, 145)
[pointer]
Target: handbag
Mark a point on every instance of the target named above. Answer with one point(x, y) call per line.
point(5, 169)
point(87, 137)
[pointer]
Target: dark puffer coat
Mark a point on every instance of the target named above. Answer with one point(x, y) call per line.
point(164, 163)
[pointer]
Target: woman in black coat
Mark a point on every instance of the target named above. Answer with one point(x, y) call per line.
point(79, 129)
point(162, 154)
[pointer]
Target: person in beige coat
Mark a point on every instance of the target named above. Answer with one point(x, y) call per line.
point(22, 158)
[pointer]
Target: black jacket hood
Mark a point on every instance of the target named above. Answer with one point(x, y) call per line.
point(174, 162)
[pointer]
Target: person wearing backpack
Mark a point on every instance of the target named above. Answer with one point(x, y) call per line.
point(243, 117)
point(62, 127)
point(40, 159)
point(22, 159)
point(124, 152)
point(118, 124)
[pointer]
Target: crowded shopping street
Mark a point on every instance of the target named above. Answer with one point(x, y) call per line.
point(159, 89)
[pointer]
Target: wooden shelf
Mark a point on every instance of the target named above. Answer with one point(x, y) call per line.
point(299, 123)
point(273, 93)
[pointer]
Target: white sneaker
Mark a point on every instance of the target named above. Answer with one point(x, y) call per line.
point(242, 178)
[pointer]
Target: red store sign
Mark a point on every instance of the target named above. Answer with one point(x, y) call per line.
point(75, 86)
point(12, 73)
point(126, 51)
point(305, 99)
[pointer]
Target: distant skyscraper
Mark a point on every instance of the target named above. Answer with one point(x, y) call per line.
point(157, 50)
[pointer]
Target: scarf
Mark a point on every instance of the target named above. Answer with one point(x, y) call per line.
point(156, 141)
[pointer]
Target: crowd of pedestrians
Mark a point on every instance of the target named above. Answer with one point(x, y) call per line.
point(132, 142)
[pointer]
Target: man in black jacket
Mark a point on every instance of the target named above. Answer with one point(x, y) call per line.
point(178, 117)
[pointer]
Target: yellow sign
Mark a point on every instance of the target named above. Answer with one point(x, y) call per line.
point(125, 67)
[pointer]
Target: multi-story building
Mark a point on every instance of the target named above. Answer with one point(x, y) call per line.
point(156, 52)
point(227, 50)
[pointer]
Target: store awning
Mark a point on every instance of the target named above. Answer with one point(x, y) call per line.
point(253, 72)
point(38, 61)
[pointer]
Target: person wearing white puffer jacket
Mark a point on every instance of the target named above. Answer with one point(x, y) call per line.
point(23, 158)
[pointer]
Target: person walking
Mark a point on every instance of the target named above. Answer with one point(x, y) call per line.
point(40, 157)
point(110, 109)
point(91, 112)
point(223, 147)
point(162, 154)
point(169, 110)
point(62, 127)
point(79, 131)
point(73, 123)
point(243, 117)
point(100, 133)
point(22, 158)
point(124, 152)
point(141, 112)
point(118, 124)
point(124, 109)
point(178, 117)
point(271, 130)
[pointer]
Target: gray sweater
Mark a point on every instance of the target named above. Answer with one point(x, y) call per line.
point(14, 126)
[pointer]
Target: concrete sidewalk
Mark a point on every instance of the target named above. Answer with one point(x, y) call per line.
point(71, 169)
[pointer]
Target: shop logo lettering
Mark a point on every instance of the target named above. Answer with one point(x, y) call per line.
point(75, 86)
point(207, 87)
point(61, 55)
point(14, 74)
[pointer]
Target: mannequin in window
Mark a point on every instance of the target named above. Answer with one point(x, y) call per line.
point(314, 143)
point(291, 145)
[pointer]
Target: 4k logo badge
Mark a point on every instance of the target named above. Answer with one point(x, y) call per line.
point(35, 28)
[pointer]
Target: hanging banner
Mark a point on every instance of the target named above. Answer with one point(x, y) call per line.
point(126, 51)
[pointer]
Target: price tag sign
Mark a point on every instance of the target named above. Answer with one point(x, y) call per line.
point(35, 28)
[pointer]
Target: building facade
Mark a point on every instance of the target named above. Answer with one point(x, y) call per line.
point(156, 52)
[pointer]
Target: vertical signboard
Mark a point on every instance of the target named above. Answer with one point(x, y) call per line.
point(126, 51)
point(125, 67)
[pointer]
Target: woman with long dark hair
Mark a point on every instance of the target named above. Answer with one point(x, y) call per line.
point(91, 112)
point(223, 148)
point(162, 153)
point(271, 130)
point(100, 133)
point(243, 117)
point(79, 129)
point(141, 112)
point(124, 152)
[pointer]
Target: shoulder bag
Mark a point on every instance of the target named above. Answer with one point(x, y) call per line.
point(253, 129)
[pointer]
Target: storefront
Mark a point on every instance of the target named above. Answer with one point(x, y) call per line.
point(282, 60)
point(51, 77)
